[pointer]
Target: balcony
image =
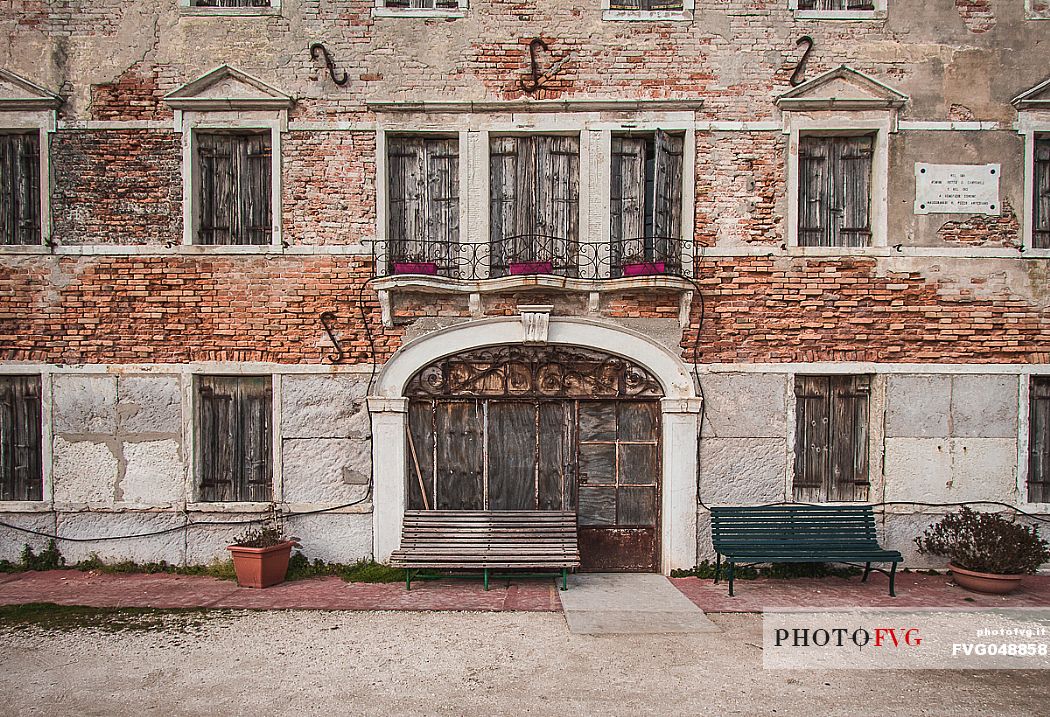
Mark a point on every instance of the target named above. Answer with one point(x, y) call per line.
point(533, 262)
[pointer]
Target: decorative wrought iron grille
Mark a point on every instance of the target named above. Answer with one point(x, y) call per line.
point(534, 372)
point(533, 254)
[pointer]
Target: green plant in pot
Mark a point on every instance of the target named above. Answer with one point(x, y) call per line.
point(986, 552)
point(260, 554)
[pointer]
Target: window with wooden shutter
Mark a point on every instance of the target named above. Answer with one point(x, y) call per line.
point(645, 5)
point(21, 474)
point(235, 438)
point(1039, 440)
point(422, 4)
point(834, 191)
point(646, 198)
point(20, 188)
point(831, 438)
point(231, 3)
point(423, 196)
point(235, 179)
point(1041, 194)
point(534, 201)
point(836, 5)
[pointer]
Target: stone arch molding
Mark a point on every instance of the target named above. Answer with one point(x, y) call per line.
point(680, 418)
point(668, 369)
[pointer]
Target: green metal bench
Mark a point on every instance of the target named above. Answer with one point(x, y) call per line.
point(487, 541)
point(799, 534)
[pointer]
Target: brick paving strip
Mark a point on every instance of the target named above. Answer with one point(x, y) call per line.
point(71, 587)
point(913, 590)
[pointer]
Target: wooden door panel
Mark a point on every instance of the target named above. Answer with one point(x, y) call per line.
point(460, 456)
point(511, 455)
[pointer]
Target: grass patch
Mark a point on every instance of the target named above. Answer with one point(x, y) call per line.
point(779, 571)
point(299, 567)
point(59, 618)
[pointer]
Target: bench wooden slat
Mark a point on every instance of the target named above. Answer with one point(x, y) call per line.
point(471, 540)
point(798, 534)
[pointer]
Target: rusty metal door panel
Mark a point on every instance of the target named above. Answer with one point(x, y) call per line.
point(618, 446)
point(615, 549)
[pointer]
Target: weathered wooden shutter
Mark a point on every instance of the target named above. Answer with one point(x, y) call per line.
point(831, 438)
point(441, 4)
point(232, 3)
point(667, 201)
point(559, 175)
point(235, 188)
point(235, 439)
point(1041, 195)
point(852, 189)
point(534, 199)
point(834, 193)
point(627, 193)
point(814, 202)
point(1039, 440)
point(21, 475)
point(503, 172)
point(836, 5)
point(645, 5)
point(423, 198)
point(20, 188)
point(442, 236)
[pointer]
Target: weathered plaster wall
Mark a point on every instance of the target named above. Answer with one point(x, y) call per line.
point(936, 438)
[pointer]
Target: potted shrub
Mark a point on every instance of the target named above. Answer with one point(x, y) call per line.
point(260, 556)
point(986, 552)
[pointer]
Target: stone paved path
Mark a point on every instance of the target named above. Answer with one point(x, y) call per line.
point(629, 604)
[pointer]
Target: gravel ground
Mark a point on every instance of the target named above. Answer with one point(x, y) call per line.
point(358, 663)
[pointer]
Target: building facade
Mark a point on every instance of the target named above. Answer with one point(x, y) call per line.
point(631, 259)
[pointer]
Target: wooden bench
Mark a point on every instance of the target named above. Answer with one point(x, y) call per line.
point(799, 534)
point(487, 540)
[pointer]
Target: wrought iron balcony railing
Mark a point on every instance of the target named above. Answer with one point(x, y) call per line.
point(535, 254)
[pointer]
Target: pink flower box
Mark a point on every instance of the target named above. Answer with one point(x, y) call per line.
point(531, 267)
point(415, 267)
point(645, 267)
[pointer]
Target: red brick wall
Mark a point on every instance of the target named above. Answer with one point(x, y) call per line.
point(1002, 230)
point(178, 309)
point(329, 187)
point(117, 187)
point(136, 95)
point(779, 310)
point(757, 309)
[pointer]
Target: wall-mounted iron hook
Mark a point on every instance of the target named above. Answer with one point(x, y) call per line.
point(800, 69)
point(317, 51)
point(535, 44)
point(328, 322)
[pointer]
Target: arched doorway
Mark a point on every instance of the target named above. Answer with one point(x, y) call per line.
point(679, 418)
point(543, 428)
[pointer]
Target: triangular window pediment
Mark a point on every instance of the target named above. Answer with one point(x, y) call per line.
point(18, 93)
point(842, 89)
point(1036, 98)
point(225, 88)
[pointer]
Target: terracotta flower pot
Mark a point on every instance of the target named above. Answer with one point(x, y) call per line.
point(984, 582)
point(261, 567)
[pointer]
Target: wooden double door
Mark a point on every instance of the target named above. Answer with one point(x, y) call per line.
point(600, 458)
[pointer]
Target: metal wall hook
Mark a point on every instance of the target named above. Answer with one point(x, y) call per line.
point(536, 82)
point(317, 51)
point(800, 69)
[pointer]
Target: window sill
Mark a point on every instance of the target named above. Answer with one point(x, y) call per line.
point(852, 15)
point(25, 506)
point(417, 12)
point(231, 507)
point(24, 249)
point(647, 15)
point(229, 11)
